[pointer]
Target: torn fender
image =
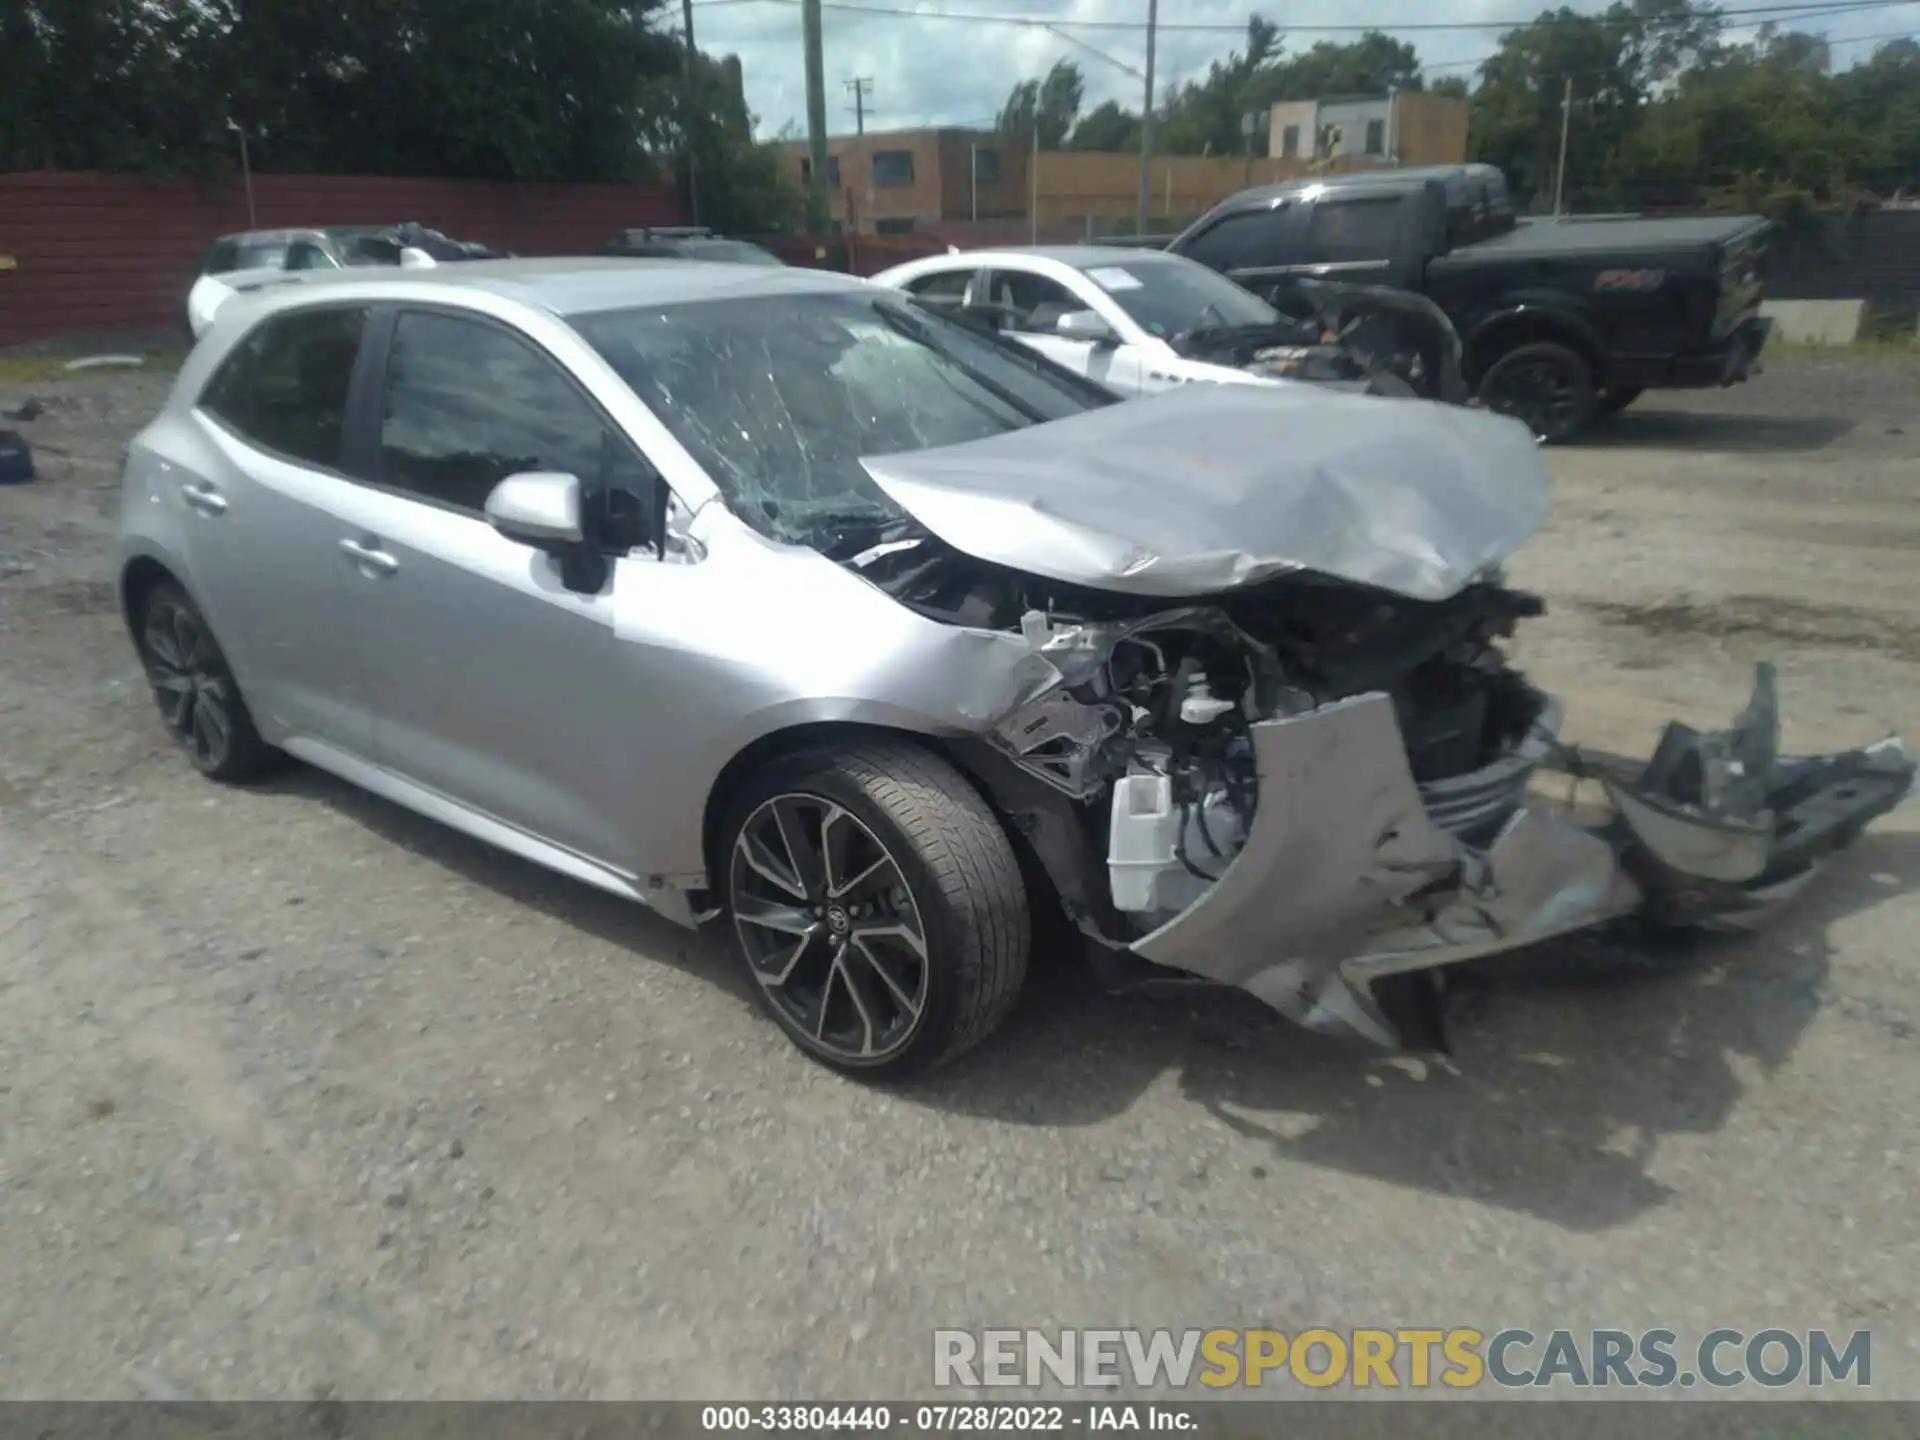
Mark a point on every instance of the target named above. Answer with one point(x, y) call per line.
point(1346, 878)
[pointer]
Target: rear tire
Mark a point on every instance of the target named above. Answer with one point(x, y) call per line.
point(1546, 386)
point(198, 698)
point(877, 905)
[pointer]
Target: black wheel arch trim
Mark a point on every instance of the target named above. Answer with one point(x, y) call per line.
point(1533, 320)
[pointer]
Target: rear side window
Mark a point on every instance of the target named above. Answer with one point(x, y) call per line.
point(1353, 229)
point(284, 387)
point(467, 405)
point(1244, 241)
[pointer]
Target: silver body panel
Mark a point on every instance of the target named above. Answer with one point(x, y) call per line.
point(416, 651)
point(1209, 487)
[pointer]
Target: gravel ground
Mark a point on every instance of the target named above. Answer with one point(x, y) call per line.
point(304, 1095)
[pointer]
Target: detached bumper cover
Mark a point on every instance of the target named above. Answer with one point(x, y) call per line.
point(1346, 876)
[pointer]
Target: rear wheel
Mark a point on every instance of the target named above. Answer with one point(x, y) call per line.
point(198, 697)
point(1547, 386)
point(878, 906)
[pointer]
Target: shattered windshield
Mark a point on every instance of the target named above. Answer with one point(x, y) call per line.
point(781, 396)
point(1172, 297)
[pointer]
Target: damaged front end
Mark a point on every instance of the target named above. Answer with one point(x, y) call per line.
point(1306, 807)
point(1278, 743)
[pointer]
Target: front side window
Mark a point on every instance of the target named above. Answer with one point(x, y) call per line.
point(1032, 304)
point(1169, 297)
point(1376, 137)
point(780, 397)
point(1251, 238)
point(305, 255)
point(468, 404)
point(260, 255)
point(1353, 229)
point(284, 387)
point(946, 290)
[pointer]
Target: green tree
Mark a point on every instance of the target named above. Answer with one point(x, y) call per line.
point(1108, 126)
point(1375, 64)
point(1205, 116)
point(1057, 98)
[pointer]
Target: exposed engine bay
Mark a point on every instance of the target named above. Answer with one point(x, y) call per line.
point(1146, 724)
point(1260, 725)
point(1319, 791)
point(1367, 339)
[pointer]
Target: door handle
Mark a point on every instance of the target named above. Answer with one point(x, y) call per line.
point(204, 498)
point(370, 557)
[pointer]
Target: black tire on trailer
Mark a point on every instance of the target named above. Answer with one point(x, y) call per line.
point(193, 686)
point(877, 904)
point(1547, 386)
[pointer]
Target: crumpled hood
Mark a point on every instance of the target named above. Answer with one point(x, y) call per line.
point(1208, 487)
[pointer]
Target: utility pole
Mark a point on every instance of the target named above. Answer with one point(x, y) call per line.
point(692, 122)
point(1146, 117)
point(1560, 173)
point(817, 208)
point(246, 173)
point(861, 88)
point(1033, 178)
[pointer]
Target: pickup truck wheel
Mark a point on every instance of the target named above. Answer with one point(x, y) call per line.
point(1548, 387)
point(1617, 397)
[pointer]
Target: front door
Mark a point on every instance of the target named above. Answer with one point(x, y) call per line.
point(496, 678)
point(265, 497)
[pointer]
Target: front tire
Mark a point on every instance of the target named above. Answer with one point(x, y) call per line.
point(1546, 386)
point(195, 690)
point(878, 906)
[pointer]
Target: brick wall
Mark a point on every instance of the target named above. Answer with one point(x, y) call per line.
point(103, 251)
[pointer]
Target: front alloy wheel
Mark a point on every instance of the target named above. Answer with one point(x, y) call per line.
point(830, 929)
point(878, 905)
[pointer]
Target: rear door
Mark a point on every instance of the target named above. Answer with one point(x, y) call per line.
point(265, 494)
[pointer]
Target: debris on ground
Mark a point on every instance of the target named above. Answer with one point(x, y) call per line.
point(104, 362)
point(16, 459)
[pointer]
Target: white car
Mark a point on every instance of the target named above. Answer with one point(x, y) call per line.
point(256, 259)
point(1117, 315)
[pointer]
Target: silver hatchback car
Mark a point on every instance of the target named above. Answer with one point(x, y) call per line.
point(766, 594)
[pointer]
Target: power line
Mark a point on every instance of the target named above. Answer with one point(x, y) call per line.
point(1801, 11)
point(1831, 40)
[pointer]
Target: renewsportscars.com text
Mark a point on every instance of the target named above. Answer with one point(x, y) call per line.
point(1460, 1358)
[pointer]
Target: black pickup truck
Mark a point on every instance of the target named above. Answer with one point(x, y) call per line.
point(1560, 320)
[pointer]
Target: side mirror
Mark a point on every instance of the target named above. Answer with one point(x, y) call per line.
point(1085, 325)
point(414, 258)
point(540, 508)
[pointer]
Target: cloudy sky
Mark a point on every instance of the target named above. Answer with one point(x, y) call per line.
point(927, 70)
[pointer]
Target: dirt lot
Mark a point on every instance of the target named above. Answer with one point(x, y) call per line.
point(305, 1095)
